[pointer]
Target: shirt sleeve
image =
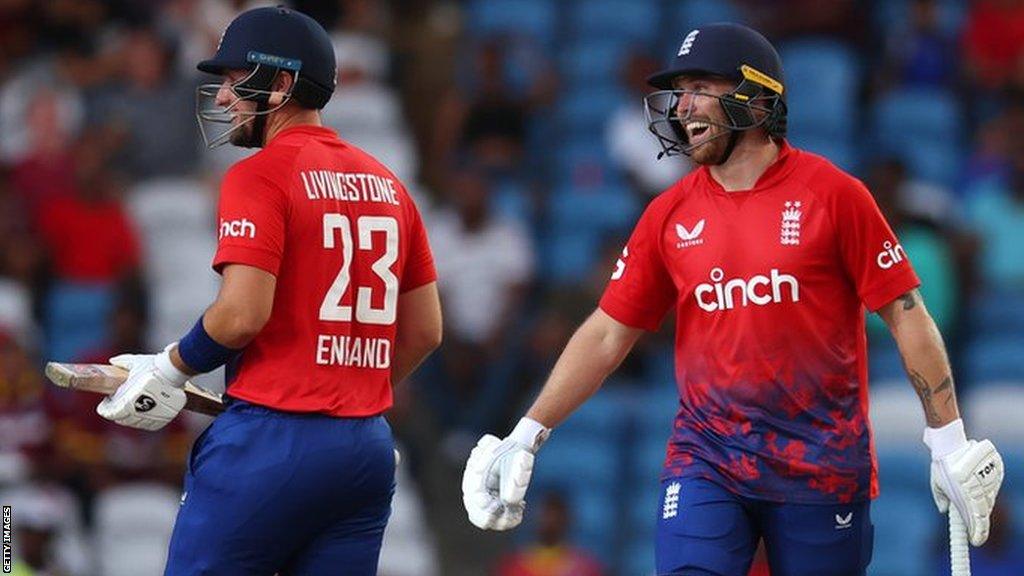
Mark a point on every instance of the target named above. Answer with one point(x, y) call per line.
point(871, 254)
point(419, 263)
point(251, 220)
point(640, 291)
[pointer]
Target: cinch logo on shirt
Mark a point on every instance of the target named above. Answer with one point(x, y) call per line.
point(759, 290)
point(237, 229)
point(890, 255)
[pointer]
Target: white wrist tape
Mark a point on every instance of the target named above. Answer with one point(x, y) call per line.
point(167, 369)
point(946, 440)
point(530, 433)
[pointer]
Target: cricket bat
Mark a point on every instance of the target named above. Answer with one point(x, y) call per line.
point(104, 379)
point(959, 551)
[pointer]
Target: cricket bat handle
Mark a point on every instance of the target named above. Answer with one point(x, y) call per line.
point(959, 551)
point(104, 379)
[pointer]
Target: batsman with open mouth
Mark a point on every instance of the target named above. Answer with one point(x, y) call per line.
point(769, 256)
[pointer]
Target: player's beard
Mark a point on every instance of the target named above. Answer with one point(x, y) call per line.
point(710, 146)
point(245, 136)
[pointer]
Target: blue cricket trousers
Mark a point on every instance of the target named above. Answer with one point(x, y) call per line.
point(293, 494)
point(705, 530)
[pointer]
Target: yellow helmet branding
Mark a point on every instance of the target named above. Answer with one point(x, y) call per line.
point(758, 77)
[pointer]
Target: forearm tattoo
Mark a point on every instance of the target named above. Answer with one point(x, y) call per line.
point(909, 299)
point(931, 397)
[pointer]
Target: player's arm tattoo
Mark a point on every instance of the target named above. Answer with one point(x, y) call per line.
point(932, 396)
point(910, 299)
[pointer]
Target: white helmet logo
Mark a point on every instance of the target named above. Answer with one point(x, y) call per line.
point(688, 43)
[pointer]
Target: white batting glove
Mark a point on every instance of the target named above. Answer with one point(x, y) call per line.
point(151, 396)
point(498, 474)
point(967, 473)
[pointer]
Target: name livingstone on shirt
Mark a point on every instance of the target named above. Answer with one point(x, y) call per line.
point(348, 186)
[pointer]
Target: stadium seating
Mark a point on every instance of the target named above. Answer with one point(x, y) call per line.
point(925, 128)
point(693, 13)
point(994, 357)
point(884, 362)
point(822, 89)
point(176, 220)
point(535, 18)
point(998, 313)
point(133, 525)
point(586, 106)
point(77, 319)
point(592, 60)
point(906, 527)
point(893, 16)
point(408, 548)
point(628, 20)
point(584, 460)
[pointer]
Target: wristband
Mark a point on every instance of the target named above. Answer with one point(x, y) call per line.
point(946, 440)
point(202, 353)
point(530, 433)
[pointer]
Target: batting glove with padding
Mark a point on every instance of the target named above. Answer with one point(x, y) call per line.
point(497, 475)
point(966, 473)
point(151, 396)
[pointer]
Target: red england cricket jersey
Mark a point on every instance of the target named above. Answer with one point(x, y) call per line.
point(344, 239)
point(769, 286)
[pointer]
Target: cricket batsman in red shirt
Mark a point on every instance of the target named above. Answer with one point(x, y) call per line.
point(769, 256)
point(328, 297)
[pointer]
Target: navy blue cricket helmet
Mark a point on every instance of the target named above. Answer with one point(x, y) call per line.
point(279, 37)
point(267, 41)
point(725, 50)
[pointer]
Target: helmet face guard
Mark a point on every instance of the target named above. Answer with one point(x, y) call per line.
point(256, 87)
point(747, 107)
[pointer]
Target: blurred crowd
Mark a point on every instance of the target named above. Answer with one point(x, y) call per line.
point(519, 128)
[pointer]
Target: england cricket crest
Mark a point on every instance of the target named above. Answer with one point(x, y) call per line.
point(670, 507)
point(789, 233)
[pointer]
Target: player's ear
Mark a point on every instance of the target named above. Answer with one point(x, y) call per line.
point(282, 85)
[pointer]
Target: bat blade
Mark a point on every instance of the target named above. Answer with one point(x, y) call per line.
point(104, 379)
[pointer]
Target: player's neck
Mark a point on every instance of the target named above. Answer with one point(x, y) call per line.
point(290, 117)
point(746, 164)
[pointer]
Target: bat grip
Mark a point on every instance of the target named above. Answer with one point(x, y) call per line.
point(959, 555)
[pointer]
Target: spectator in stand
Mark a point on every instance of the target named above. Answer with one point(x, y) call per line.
point(926, 232)
point(995, 141)
point(993, 42)
point(551, 554)
point(84, 275)
point(629, 141)
point(364, 109)
point(844, 20)
point(19, 261)
point(488, 114)
point(45, 503)
point(46, 168)
point(485, 264)
point(39, 98)
point(923, 54)
point(152, 106)
point(996, 211)
point(23, 423)
point(93, 211)
point(120, 453)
